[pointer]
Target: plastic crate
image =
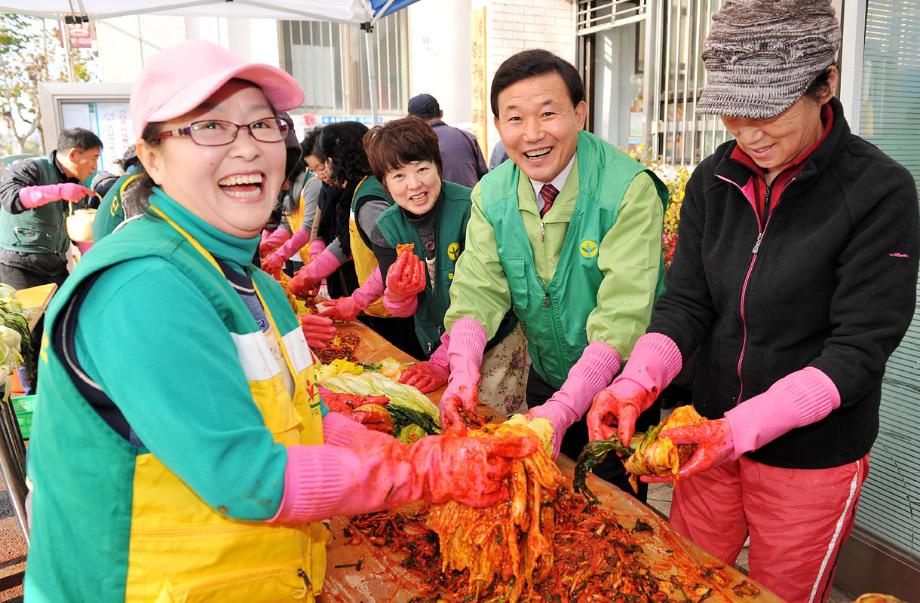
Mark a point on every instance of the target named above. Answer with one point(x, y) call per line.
point(24, 405)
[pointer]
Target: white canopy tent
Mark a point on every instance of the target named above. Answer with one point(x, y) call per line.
point(356, 12)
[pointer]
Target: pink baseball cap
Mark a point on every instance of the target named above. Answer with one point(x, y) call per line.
point(178, 79)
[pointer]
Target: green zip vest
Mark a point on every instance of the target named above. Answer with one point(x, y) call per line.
point(102, 519)
point(454, 213)
point(39, 230)
point(554, 315)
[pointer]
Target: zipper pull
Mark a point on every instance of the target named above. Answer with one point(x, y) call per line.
point(546, 301)
point(757, 243)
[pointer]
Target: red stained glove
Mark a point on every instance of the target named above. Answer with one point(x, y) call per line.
point(615, 410)
point(343, 308)
point(406, 277)
point(425, 376)
point(458, 408)
point(273, 263)
point(469, 470)
point(318, 330)
point(715, 445)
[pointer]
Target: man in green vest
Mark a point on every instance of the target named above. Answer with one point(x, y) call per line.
point(568, 235)
point(33, 239)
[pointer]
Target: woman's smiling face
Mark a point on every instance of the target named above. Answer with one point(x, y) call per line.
point(234, 186)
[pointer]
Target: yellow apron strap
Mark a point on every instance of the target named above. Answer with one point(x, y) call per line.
point(271, 321)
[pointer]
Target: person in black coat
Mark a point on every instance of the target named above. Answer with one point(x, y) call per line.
point(793, 281)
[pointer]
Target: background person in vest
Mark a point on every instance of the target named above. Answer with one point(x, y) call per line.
point(343, 146)
point(794, 278)
point(568, 234)
point(432, 214)
point(300, 221)
point(463, 160)
point(33, 239)
point(121, 201)
point(34, 201)
point(211, 469)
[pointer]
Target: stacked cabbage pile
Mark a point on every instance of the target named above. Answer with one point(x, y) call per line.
point(15, 337)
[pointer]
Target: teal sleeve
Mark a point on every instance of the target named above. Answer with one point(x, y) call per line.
point(479, 289)
point(159, 350)
point(630, 259)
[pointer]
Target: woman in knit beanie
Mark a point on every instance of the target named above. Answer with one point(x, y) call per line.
point(793, 280)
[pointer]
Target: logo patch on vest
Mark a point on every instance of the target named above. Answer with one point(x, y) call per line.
point(588, 249)
point(453, 251)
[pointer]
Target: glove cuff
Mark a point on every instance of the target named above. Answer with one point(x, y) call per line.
point(593, 371)
point(369, 291)
point(322, 266)
point(313, 483)
point(798, 399)
point(440, 356)
point(655, 362)
point(467, 344)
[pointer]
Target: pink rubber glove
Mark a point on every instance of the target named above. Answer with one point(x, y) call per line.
point(596, 367)
point(282, 254)
point(317, 246)
point(715, 445)
point(431, 374)
point(271, 241)
point(273, 264)
point(318, 330)
point(313, 273)
point(467, 343)
point(348, 308)
point(798, 399)
point(405, 280)
point(37, 196)
point(373, 474)
point(654, 363)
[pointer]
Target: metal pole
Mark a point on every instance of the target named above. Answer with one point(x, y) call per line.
point(371, 69)
point(65, 40)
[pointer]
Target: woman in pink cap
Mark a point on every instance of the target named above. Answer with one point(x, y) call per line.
point(180, 449)
point(793, 281)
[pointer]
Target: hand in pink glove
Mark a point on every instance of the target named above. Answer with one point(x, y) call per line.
point(348, 308)
point(273, 263)
point(615, 410)
point(37, 196)
point(595, 368)
point(271, 241)
point(715, 445)
point(458, 404)
point(425, 376)
point(318, 330)
point(654, 363)
point(343, 308)
point(370, 472)
point(405, 278)
point(312, 274)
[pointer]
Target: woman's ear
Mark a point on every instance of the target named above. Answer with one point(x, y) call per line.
point(151, 160)
point(833, 77)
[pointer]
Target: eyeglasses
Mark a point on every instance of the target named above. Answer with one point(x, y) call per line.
point(215, 132)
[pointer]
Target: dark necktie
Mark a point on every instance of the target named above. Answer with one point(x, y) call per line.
point(548, 192)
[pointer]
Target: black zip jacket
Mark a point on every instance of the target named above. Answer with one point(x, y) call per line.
point(832, 284)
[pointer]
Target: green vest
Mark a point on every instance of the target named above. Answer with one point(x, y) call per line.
point(39, 230)
point(554, 315)
point(451, 233)
point(103, 520)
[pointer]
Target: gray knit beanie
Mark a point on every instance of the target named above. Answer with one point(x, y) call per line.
point(761, 55)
